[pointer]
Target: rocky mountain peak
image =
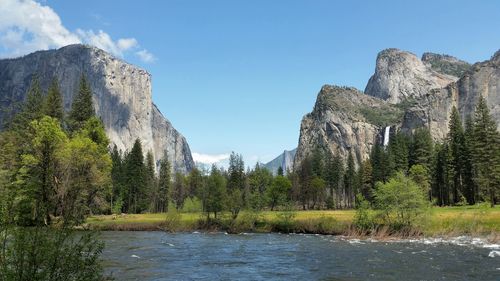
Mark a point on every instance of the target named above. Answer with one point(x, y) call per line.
point(121, 94)
point(401, 75)
point(446, 64)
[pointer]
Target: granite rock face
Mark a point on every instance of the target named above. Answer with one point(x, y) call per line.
point(401, 75)
point(284, 160)
point(343, 121)
point(121, 95)
point(405, 93)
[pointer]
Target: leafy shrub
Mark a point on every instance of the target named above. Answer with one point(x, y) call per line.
point(401, 202)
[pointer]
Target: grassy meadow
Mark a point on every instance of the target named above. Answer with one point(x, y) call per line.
point(440, 221)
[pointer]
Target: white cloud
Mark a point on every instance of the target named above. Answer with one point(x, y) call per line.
point(145, 56)
point(127, 43)
point(209, 158)
point(27, 26)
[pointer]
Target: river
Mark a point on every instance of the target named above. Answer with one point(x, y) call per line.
point(202, 256)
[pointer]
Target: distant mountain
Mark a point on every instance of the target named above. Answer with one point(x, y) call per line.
point(284, 160)
point(121, 94)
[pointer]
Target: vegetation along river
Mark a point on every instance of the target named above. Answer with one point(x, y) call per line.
point(218, 256)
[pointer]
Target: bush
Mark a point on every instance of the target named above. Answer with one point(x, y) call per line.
point(363, 220)
point(44, 253)
point(401, 202)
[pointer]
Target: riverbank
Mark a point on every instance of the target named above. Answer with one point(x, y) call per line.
point(445, 221)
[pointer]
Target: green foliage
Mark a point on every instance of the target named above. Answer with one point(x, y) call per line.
point(164, 184)
point(41, 253)
point(401, 201)
point(179, 191)
point(82, 108)
point(382, 116)
point(277, 193)
point(420, 175)
point(53, 105)
point(421, 148)
point(135, 186)
point(214, 196)
point(486, 152)
point(363, 220)
point(32, 107)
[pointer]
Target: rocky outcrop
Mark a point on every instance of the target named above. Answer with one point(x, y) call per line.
point(284, 160)
point(401, 76)
point(404, 93)
point(121, 95)
point(446, 64)
point(343, 121)
point(433, 110)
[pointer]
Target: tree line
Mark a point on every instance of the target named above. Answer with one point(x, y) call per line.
point(462, 169)
point(55, 170)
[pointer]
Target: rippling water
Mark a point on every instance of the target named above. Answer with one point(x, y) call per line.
point(202, 256)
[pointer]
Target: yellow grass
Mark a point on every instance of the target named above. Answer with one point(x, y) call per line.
point(468, 220)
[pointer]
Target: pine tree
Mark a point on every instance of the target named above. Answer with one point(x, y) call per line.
point(421, 148)
point(486, 152)
point(366, 183)
point(179, 191)
point(470, 186)
point(117, 180)
point(164, 184)
point(280, 171)
point(32, 107)
point(334, 174)
point(398, 146)
point(135, 171)
point(151, 181)
point(456, 140)
point(350, 180)
point(53, 105)
point(82, 107)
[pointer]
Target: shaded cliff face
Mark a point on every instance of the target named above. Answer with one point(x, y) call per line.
point(343, 121)
point(284, 160)
point(401, 76)
point(434, 109)
point(121, 95)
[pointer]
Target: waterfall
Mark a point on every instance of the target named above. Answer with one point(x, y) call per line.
point(386, 135)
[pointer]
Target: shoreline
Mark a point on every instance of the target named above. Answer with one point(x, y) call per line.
point(441, 223)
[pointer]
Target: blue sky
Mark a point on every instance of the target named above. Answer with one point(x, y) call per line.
point(239, 75)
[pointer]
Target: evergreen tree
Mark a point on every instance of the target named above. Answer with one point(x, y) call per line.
point(215, 195)
point(164, 184)
point(350, 180)
point(441, 175)
point(421, 148)
point(195, 182)
point(456, 140)
point(366, 183)
point(318, 162)
point(117, 178)
point(82, 107)
point(280, 171)
point(486, 152)
point(179, 191)
point(398, 146)
point(334, 174)
point(53, 105)
point(471, 190)
point(136, 179)
point(151, 181)
point(32, 107)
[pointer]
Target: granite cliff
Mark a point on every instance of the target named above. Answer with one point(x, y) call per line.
point(403, 94)
point(121, 95)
